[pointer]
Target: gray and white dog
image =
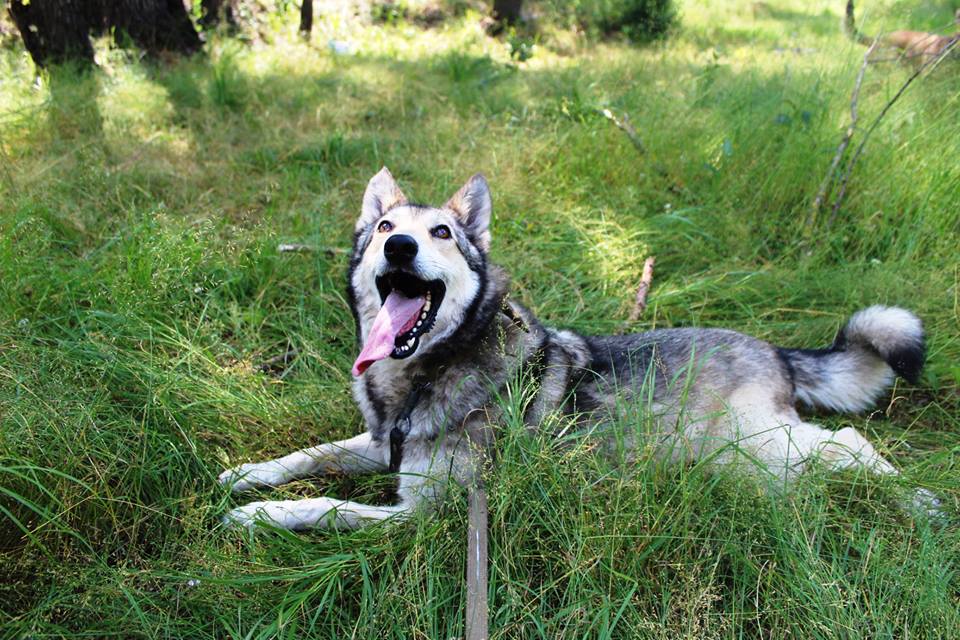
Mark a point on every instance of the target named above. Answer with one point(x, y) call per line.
point(440, 342)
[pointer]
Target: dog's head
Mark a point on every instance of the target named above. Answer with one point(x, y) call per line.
point(416, 271)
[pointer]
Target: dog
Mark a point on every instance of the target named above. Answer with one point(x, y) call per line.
point(440, 340)
point(919, 47)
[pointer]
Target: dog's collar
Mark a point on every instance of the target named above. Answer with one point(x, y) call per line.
point(402, 425)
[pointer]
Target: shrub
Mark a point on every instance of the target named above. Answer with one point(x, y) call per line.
point(639, 20)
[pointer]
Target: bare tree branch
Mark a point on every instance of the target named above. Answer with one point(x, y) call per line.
point(830, 178)
point(625, 126)
point(931, 64)
point(640, 304)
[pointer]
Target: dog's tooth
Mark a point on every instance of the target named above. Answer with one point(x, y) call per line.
point(420, 322)
point(410, 343)
point(426, 305)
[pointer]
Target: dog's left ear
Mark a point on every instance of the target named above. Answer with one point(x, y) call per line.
point(382, 194)
point(473, 206)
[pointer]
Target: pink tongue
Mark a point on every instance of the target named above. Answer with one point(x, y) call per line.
point(397, 315)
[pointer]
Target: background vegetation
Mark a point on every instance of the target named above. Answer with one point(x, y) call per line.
point(142, 205)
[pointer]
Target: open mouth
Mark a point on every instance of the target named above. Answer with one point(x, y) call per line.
point(409, 307)
point(412, 288)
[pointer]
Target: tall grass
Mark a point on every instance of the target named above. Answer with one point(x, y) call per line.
point(141, 285)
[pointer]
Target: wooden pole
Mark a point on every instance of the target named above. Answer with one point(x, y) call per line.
point(476, 623)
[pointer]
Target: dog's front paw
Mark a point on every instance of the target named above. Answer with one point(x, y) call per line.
point(250, 515)
point(251, 475)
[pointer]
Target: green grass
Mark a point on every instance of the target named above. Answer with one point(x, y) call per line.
point(141, 210)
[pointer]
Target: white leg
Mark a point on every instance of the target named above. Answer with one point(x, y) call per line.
point(359, 454)
point(788, 444)
point(313, 512)
point(847, 448)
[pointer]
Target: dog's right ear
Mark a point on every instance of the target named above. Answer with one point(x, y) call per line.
point(382, 194)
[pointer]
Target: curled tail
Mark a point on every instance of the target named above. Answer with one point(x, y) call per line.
point(877, 344)
point(850, 27)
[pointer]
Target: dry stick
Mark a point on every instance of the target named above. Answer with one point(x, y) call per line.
point(625, 126)
point(830, 178)
point(476, 623)
point(932, 63)
point(296, 247)
point(640, 304)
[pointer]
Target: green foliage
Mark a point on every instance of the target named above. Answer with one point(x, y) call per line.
point(389, 12)
point(140, 285)
point(638, 20)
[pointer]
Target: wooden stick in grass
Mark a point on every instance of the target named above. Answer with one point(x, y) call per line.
point(624, 125)
point(930, 64)
point(476, 623)
point(831, 177)
point(640, 304)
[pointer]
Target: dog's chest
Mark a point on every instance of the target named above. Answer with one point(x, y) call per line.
point(388, 392)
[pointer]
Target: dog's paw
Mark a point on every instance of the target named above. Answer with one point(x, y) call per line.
point(250, 515)
point(250, 476)
point(926, 504)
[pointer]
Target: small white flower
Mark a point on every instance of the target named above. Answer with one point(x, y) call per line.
point(193, 582)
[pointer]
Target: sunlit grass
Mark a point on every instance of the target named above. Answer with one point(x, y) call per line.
point(140, 210)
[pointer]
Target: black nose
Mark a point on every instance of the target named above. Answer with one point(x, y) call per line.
point(400, 249)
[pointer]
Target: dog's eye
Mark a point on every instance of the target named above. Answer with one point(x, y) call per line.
point(385, 226)
point(441, 231)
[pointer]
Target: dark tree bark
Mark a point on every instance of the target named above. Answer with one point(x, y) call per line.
point(507, 12)
point(306, 17)
point(55, 31)
point(58, 31)
point(212, 11)
point(155, 25)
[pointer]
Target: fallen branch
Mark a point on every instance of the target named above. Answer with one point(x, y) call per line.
point(932, 63)
point(625, 126)
point(830, 178)
point(640, 304)
point(295, 247)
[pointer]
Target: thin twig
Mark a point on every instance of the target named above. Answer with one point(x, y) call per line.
point(640, 304)
point(296, 247)
point(625, 126)
point(277, 364)
point(932, 63)
point(830, 178)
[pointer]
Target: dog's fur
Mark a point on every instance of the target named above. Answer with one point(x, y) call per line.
point(917, 47)
point(703, 388)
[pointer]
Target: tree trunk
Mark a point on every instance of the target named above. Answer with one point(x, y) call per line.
point(58, 31)
point(212, 11)
point(507, 12)
point(306, 17)
point(55, 31)
point(155, 25)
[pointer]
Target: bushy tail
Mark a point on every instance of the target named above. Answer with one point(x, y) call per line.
point(876, 344)
point(850, 27)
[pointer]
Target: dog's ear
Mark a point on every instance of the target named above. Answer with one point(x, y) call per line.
point(381, 195)
point(473, 207)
